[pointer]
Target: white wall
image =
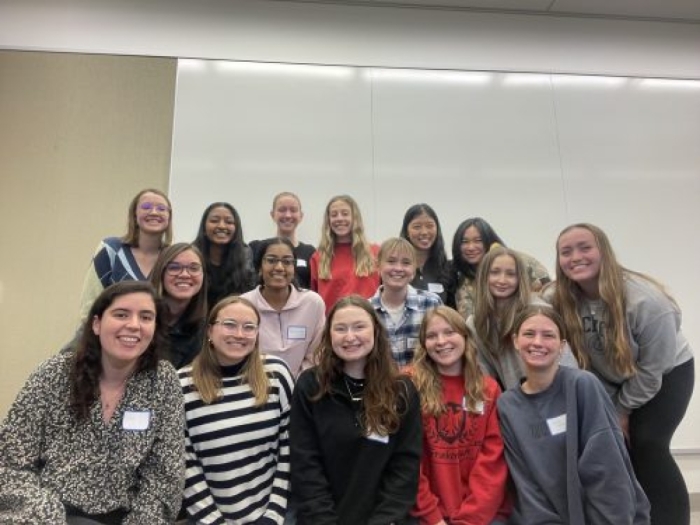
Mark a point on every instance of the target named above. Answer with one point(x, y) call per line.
point(369, 36)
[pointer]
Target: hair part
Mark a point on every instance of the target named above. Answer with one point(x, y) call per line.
point(568, 295)
point(195, 313)
point(494, 324)
point(426, 375)
point(261, 251)
point(436, 261)
point(384, 394)
point(285, 194)
point(488, 237)
point(544, 310)
point(238, 278)
point(206, 370)
point(133, 231)
point(86, 366)
point(363, 258)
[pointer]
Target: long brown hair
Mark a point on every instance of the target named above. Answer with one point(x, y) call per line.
point(426, 376)
point(86, 366)
point(133, 231)
point(611, 288)
point(383, 390)
point(493, 325)
point(365, 262)
point(206, 371)
point(196, 311)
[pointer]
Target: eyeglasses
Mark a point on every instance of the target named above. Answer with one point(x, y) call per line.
point(231, 327)
point(274, 261)
point(176, 268)
point(150, 206)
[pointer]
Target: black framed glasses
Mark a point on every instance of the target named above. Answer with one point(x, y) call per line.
point(176, 268)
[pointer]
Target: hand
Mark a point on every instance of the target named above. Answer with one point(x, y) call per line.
point(625, 426)
point(441, 522)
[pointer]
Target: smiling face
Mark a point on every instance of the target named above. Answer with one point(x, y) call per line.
point(539, 343)
point(152, 213)
point(234, 333)
point(578, 256)
point(277, 267)
point(503, 277)
point(183, 276)
point(287, 215)
point(445, 346)
point(340, 220)
point(397, 269)
point(126, 328)
point(352, 336)
point(472, 246)
point(220, 226)
point(422, 232)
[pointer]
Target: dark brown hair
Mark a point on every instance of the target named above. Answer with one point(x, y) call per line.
point(86, 368)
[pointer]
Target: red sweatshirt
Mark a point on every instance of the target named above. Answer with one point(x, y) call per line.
point(343, 280)
point(463, 471)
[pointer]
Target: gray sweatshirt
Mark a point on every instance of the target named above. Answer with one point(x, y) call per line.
point(506, 367)
point(567, 456)
point(656, 341)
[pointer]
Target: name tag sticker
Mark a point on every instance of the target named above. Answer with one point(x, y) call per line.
point(557, 425)
point(297, 333)
point(436, 287)
point(379, 439)
point(136, 419)
point(479, 407)
point(301, 263)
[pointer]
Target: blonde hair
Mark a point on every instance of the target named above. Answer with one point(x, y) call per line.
point(425, 372)
point(206, 371)
point(611, 288)
point(494, 325)
point(363, 259)
point(397, 245)
point(133, 231)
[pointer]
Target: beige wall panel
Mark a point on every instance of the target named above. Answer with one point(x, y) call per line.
point(80, 135)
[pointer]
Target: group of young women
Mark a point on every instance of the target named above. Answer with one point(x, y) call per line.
point(364, 399)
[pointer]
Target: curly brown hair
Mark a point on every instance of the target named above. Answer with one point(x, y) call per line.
point(86, 366)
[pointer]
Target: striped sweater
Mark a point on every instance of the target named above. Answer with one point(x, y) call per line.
point(237, 455)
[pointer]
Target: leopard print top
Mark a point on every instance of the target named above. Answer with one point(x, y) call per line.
point(134, 462)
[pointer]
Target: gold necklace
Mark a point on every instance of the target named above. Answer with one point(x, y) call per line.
point(353, 397)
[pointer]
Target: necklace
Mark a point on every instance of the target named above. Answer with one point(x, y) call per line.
point(357, 386)
point(112, 396)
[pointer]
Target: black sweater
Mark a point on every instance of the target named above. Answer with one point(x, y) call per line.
point(341, 477)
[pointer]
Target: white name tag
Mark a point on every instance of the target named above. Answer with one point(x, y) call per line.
point(136, 419)
point(301, 263)
point(478, 409)
point(297, 333)
point(557, 425)
point(436, 287)
point(379, 439)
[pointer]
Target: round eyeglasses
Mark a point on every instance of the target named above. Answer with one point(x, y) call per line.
point(230, 326)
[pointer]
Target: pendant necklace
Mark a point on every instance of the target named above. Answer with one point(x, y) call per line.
point(358, 386)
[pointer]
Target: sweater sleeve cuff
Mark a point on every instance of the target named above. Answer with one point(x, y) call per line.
point(622, 411)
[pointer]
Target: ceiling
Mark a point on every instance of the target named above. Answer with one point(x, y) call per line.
point(665, 10)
